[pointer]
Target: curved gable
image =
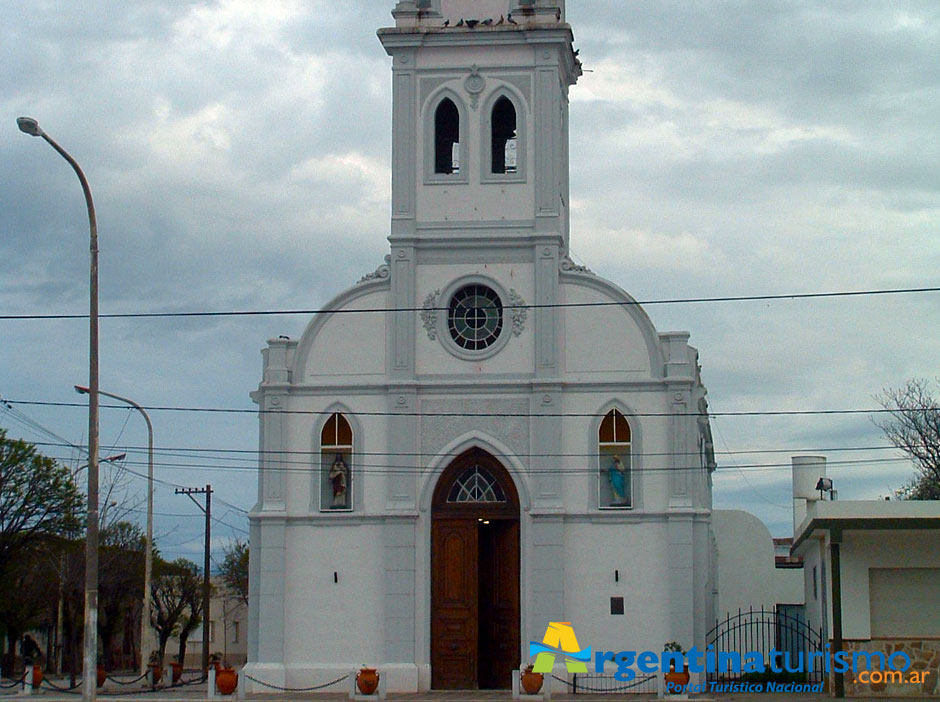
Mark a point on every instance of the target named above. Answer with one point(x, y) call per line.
point(600, 337)
point(339, 342)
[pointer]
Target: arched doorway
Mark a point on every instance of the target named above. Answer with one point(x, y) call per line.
point(474, 575)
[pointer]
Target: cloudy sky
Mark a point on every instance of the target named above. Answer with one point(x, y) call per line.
point(238, 152)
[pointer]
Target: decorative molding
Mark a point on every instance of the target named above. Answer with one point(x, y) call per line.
point(444, 420)
point(380, 273)
point(429, 314)
point(517, 311)
point(474, 84)
point(569, 266)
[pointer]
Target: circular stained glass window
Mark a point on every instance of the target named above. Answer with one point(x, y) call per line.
point(475, 317)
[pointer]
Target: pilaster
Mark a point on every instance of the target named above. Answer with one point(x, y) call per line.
point(403, 448)
point(402, 332)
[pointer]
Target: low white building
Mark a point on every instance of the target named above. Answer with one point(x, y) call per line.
point(752, 571)
point(872, 576)
point(480, 437)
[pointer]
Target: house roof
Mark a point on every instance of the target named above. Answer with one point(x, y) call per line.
point(866, 515)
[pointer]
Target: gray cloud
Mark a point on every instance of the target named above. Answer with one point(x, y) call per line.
point(239, 157)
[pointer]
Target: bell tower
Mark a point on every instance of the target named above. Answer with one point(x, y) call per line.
point(480, 121)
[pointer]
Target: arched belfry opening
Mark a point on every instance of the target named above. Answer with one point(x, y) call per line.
point(504, 158)
point(446, 138)
point(474, 575)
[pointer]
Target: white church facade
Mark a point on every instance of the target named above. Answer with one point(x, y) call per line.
point(480, 437)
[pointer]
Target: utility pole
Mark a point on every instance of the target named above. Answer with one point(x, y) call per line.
point(207, 510)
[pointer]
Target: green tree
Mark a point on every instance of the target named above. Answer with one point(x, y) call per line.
point(38, 499)
point(234, 569)
point(913, 426)
point(39, 502)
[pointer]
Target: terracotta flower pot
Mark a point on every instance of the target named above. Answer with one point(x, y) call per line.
point(532, 682)
point(177, 672)
point(102, 675)
point(226, 680)
point(367, 680)
point(156, 672)
point(677, 678)
point(37, 677)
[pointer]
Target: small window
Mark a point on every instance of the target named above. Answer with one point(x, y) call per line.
point(504, 143)
point(614, 480)
point(235, 632)
point(446, 138)
point(336, 446)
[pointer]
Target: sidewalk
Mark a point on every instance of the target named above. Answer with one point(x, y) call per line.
point(194, 692)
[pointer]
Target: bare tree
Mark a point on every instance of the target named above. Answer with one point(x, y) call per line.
point(913, 425)
point(171, 592)
point(235, 569)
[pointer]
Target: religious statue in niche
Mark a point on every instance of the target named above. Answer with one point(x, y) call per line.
point(616, 473)
point(339, 481)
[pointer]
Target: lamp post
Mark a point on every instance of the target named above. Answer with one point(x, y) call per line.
point(148, 544)
point(30, 126)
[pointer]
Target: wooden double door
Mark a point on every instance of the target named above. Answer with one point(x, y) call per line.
point(474, 576)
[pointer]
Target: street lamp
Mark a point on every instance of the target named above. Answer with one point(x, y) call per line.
point(148, 545)
point(30, 126)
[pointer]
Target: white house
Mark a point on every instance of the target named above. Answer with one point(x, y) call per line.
point(480, 437)
point(872, 576)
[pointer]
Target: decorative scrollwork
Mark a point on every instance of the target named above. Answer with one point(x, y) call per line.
point(429, 314)
point(380, 273)
point(517, 311)
point(569, 266)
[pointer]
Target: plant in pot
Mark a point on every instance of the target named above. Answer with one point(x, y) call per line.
point(367, 680)
point(531, 682)
point(675, 677)
point(155, 669)
point(177, 668)
point(226, 679)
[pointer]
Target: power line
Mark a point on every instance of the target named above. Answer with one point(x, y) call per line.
point(381, 310)
point(501, 415)
point(233, 454)
point(413, 468)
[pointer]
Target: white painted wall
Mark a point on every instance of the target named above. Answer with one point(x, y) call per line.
point(789, 586)
point(638, 551)
point(862, 551)
point(746, 577)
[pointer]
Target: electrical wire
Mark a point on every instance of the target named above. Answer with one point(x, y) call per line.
point(233, 454)
point(413, 468)
point(555, 305)
point(500, 415)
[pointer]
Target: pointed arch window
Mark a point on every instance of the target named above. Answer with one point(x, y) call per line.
point(336, 460)
point(614, 478)
point(476, 484)
point(446, 138)
point(504, 142)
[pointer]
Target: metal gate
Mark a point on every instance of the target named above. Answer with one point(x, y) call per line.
point(765, 631)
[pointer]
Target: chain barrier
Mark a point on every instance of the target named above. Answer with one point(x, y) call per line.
point(296, 689)
point(102, 693)
point(14, 683)
point(580, 686)
point(129, 682)
point(53, 686)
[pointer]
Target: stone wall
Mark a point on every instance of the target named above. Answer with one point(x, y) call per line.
point(925, 660)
